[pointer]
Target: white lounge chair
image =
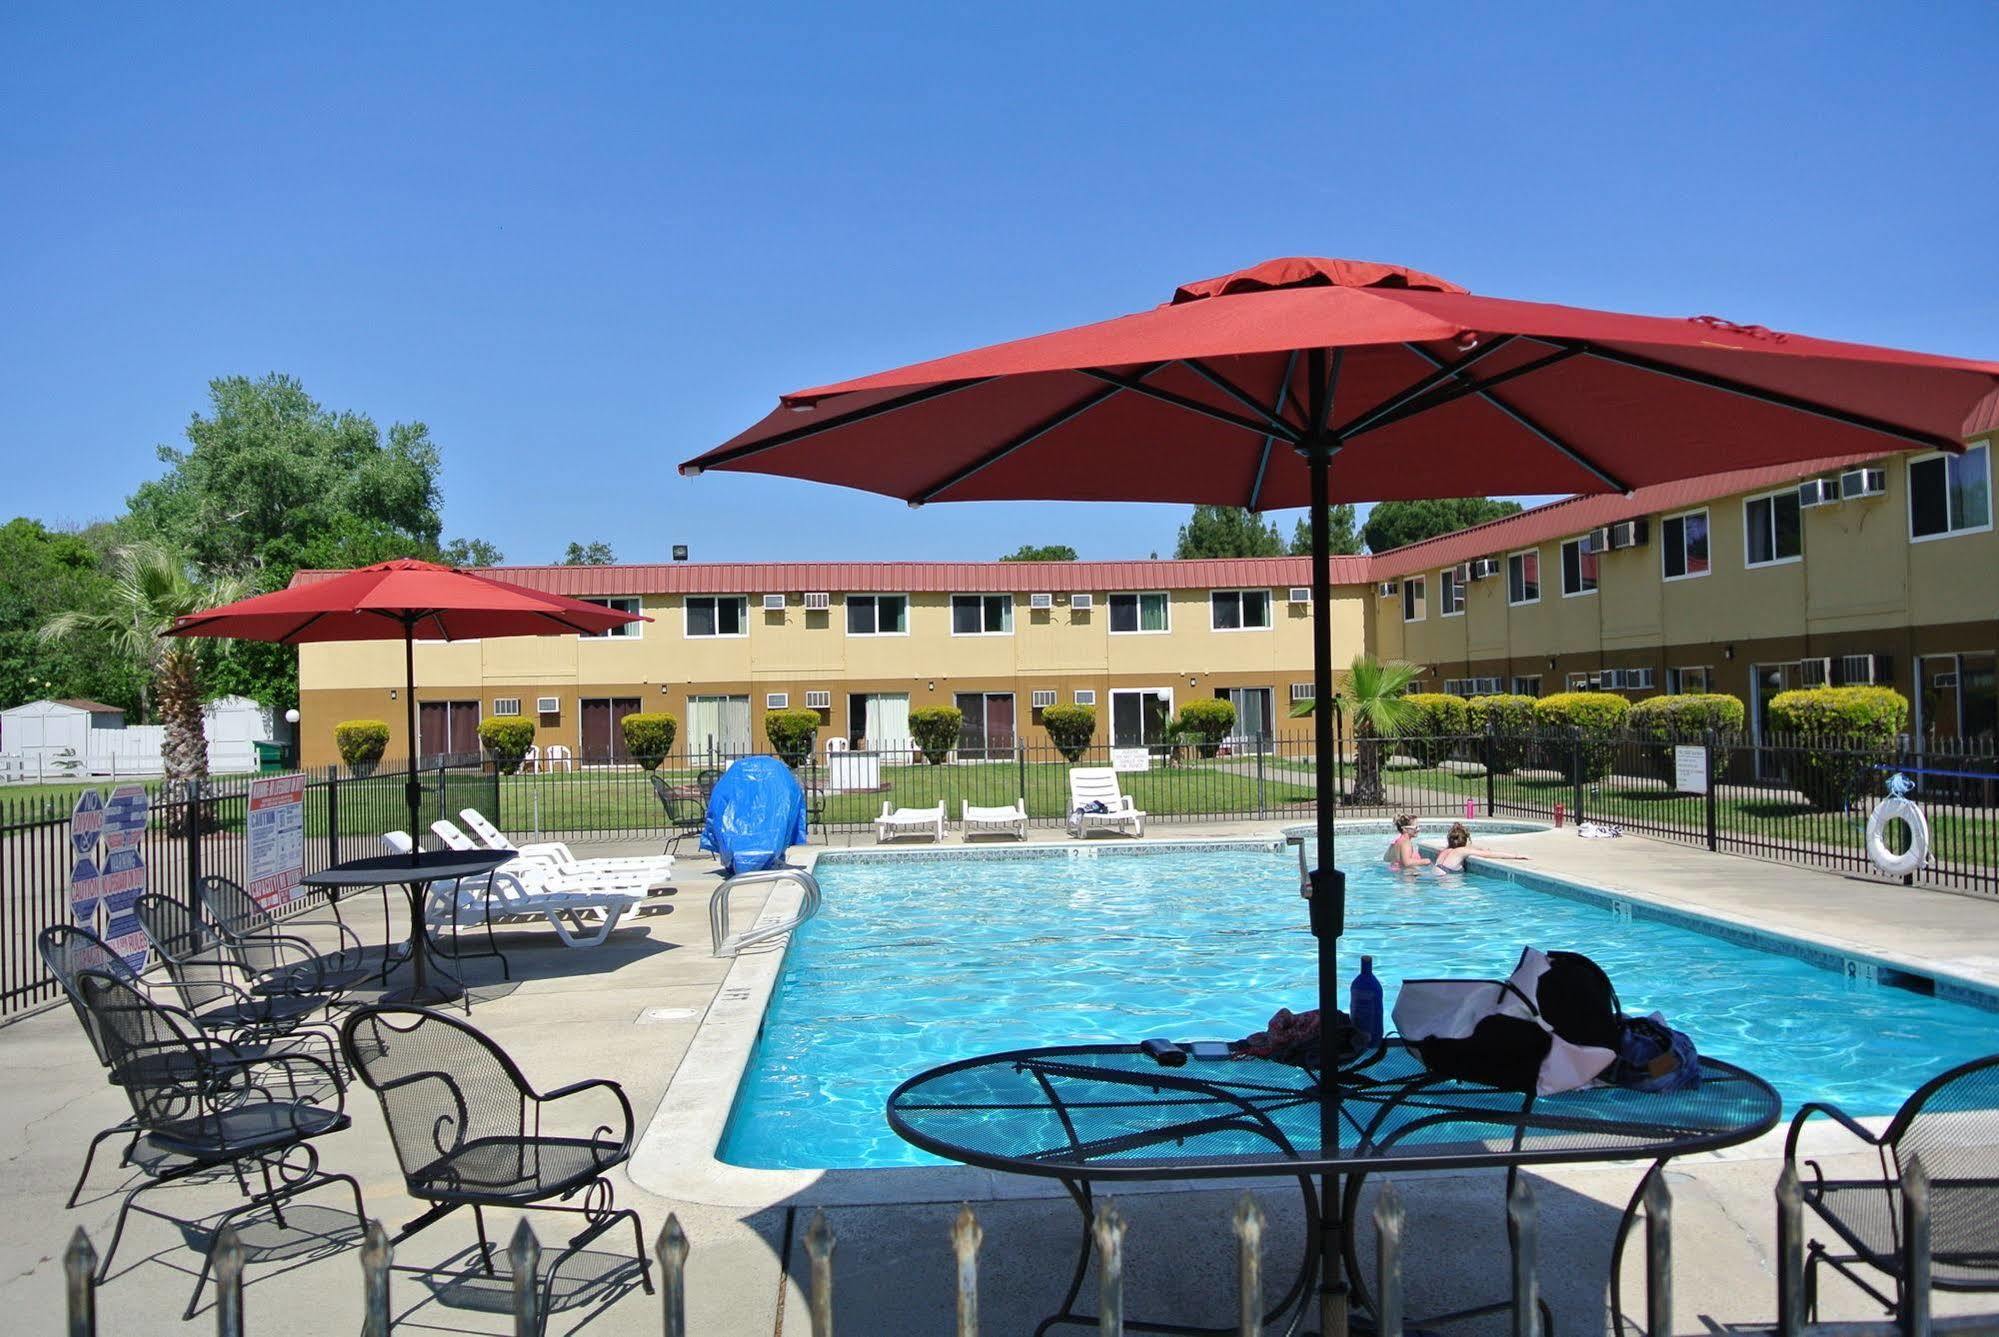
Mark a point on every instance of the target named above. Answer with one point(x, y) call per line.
point(1010, 821)
point(657, 868)
point(472, 901)
point(544, 874)
point(1098, 784)
point(896, 822)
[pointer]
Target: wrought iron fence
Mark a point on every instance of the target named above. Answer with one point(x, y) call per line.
point(1112, 1239)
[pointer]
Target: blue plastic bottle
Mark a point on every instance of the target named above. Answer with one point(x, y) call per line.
point(1364, 1002)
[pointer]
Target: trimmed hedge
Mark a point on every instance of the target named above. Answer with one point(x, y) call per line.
point(1207, 721)
point(1436, 725)
point(361, 743)
point(1666, 720)
point(649, 736)
point(508, 738)
point(935, 730)
point(1070, 728)
point(1841, 735)
point(1511, 719)
point(792, 733)
point(1596, 717)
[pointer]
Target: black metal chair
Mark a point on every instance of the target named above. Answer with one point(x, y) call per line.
point(204, 970)
point(1951, 1124)
point(685, 814)
point(204, 1106)
point(468, 1129)
point(266, 951)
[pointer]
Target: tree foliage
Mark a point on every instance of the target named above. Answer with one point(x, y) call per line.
point(1396, 524)
point(1041, 552)
point(44, 572)
point(588, 554)
point(1228, 531)
point(472, 553)
point(1343, 532)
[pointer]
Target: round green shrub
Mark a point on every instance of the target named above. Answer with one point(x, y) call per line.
point(508, 738)
point(1596, 719)
point(649, 736)
point(1070, 728)
point(935, 730)
point(792, 734)
point(1663, 721)
point(1207, 721)
point(361, 743)
point(1831, 739)
point(1510, 721)
point(1437, 726)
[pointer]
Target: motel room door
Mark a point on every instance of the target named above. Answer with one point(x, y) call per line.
point(603, 739)
point(447, 728)
point(987, 731)
point(718, 727)
point(1139, 717)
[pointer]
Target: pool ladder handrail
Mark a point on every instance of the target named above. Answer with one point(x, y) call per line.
point(1304, 871)
point(718, 909)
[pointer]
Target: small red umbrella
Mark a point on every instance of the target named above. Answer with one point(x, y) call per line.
point(399, 600)
point(1305, 381)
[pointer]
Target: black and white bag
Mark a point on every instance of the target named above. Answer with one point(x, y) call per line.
point(1551, 1026)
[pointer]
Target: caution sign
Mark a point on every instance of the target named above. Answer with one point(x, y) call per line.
point(277, 839)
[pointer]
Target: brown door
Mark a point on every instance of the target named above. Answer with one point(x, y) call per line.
point(465, 728)
point(999, 724)
point(603, 738)
point(447, 728)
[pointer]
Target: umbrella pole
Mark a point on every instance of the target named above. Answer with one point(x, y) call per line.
point(1329, 890)
point(412, 790)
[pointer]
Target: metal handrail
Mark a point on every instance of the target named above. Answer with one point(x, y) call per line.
point(718, 909)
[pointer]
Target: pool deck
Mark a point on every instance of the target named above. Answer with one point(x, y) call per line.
point(634, 1008)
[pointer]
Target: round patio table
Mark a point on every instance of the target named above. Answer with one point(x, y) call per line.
point(1090, 1114)
point(415, 874)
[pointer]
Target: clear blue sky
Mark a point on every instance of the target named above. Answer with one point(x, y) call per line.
point(584, 247)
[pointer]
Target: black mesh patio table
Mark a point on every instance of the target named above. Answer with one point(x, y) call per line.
point(1089, 1114)
point(414, 873)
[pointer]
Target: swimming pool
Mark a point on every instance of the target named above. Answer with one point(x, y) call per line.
point(917, 961)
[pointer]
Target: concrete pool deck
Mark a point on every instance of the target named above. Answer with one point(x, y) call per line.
point(633, 1009)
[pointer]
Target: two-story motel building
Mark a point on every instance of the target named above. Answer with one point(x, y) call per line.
point(1881, 570)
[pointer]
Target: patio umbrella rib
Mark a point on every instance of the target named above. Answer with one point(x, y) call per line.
point(1027, 438)
point(1176, 400)
point(1417, 389)
point(1547, 438)
point(1270, 440)
point(1466, 387)
point(797, 434)
point(1278, 424)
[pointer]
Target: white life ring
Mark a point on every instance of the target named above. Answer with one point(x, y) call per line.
point(1878, 853)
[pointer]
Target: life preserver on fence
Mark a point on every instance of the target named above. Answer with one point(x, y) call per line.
point(1878, 853)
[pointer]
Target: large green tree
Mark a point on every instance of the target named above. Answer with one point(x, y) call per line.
point(1041, 552)
point(44, 572)
point(1342, 531)
point(1228, 531)
point(1396, 524)
point(588, 554)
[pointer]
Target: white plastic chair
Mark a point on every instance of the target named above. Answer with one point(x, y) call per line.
point(530, 759)
point(557, 755)
point(996, 821)
point(895, 822)
point(1098, 784)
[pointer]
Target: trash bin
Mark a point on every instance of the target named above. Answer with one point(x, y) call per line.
point(270, 757)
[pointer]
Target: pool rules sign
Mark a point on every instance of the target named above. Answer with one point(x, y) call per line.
point(107, 872)
point(277, 839)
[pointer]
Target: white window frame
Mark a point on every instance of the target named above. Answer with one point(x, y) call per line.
point(1035, 701)
point(1415, 589)
point(499, 701)
point(1747, 560)
point(1675, 685)
point(1562, 561)
point(875, 599)
point(1269, 614)
point(1683, 517)
point(629, 631)
point(1514, 681)
point(1165, 598)
point(1110, 719)
point(777, 700)
point(1447, 585)
point(687, 617)
point(1909, 486)
point(984, 600)
point(1086, 696)
point(1512, 602)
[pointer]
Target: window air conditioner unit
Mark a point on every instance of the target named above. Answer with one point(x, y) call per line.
point(818, 601)
point(1086, 696)
point(773, 603)
point(1082, 600)
point(548, 705)
point(1300, 594)
point(1815, 672)
point(1629, 534)
point(1818, 492)
point(1640, 679)
point(1485, 568)
point(776, 700)
point(506, 705)
point(1864, 670)
point(1301, 691)
point(818, 700)
point(1597, 540)
point(1041, 601)
point(1862, 483)
point(1388, 589)
point(1043, 696)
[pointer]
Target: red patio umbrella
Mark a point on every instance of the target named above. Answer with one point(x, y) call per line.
point(397, 600)
point(1307, 381)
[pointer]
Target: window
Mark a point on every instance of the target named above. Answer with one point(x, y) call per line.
point(1239, 610)
point(1583, 682)
point(1302, 691)
point(1530, 685)
point(1086, 696)
point(623, 603)
point(1578, 569)
point(1683, 545)
point(1450, 593)
point(1252, 712)
point(1138, 612)
point(982, 615)
point(1950, 494)
point(1772, 533)
point(1412, 599)
point(1523, 577)
point(878, 615)
point(506, 705)
point(1043, 697)
point(1686, 681)
point(718, 615)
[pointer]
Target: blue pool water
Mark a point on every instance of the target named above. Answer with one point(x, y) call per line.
point(916, 963)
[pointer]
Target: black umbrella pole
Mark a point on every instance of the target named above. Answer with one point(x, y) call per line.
point(412, 790)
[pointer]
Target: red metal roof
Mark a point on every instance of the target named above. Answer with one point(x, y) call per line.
point(1984, 416)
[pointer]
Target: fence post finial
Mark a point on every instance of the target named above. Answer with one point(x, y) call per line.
point(1658, 1258)
point(1915, 1248)
point(377, 1256)
point(1790, 1252)
point(79, 1265)
point(226, 1254)
point(1108, 1229)
point(672, 1248)
point(819, 1245)
point(966, 1236)
point(524, 1262)
point(1388, 1218)
point(1249, 1265)
point(1524, 1220)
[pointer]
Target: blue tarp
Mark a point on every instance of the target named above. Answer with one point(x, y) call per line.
point(756, 813)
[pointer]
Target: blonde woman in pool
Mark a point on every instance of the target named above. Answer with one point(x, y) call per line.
point(1458, 847)
point(1403, 854)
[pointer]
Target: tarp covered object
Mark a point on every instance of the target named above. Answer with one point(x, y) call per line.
point(755, 814)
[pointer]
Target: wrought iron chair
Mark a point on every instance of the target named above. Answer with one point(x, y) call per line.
point(204, 971)
point(468, 1129)
point(1952, 1124)
point(204, 1106)
point(266, 951)
point(685, 814)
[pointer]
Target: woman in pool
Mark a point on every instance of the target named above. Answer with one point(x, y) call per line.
point(1458, 848)
point(1403, 854)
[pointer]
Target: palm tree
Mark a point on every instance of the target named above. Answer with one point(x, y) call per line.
point(150, 587)
point(1373, 698)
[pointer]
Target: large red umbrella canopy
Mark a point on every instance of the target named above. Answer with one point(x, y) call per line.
point(390, 601)
point(1430, 391)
